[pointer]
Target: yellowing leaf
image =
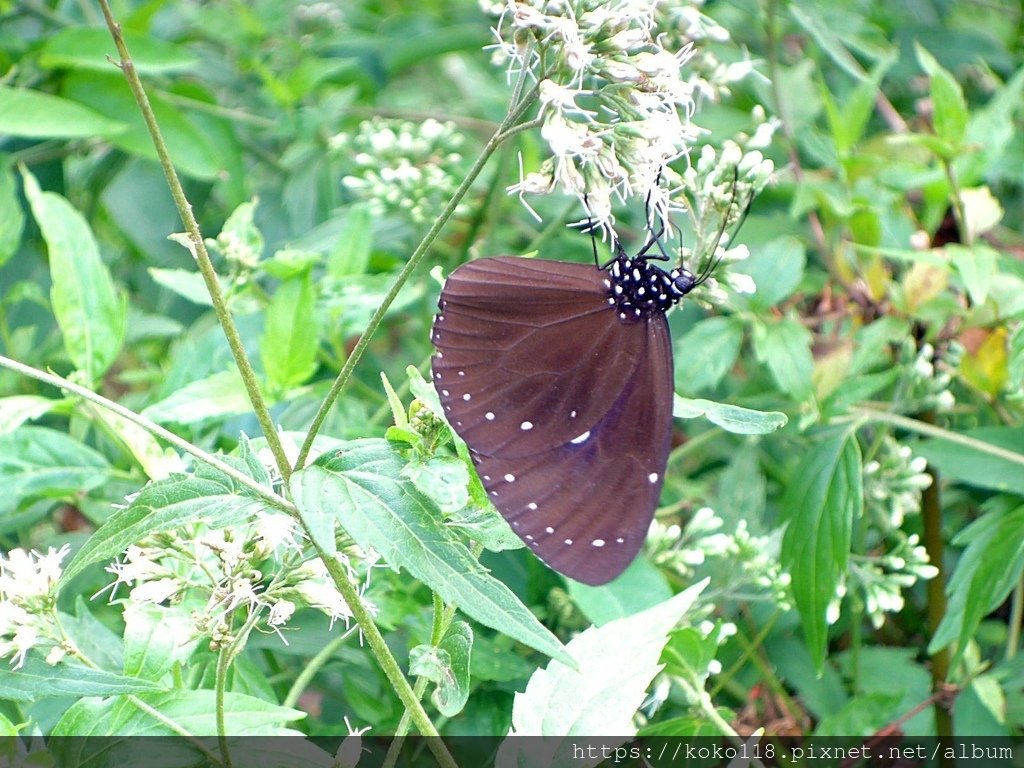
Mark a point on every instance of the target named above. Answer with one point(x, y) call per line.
point(985, 364)
point(922, 283)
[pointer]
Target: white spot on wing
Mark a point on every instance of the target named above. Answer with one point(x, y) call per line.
point(489, 416)
point(467, 397)
point(620, 540)
point(653, 477)
point(526, 426)
point(581, 439)
point(568, 542)
point(597, 542)
point(532, 505)
point(572, 414)
point(510, 478)
point(445, 392)
point(462, 373)
point(549, 529)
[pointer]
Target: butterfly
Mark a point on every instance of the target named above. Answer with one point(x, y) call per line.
point(559, 378)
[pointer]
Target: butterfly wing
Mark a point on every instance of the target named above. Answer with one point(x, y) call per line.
point(529, 353)
point(536, 343)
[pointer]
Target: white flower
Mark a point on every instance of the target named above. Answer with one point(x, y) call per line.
point(155, 592)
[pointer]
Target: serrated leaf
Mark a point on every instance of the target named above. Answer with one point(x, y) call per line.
point(92, 48)
point(290, 340)
point(155, 638)
point(706, 353)
point(950, 108)
point(991, 565)
point(157, 462)
point(639, 587)
point(731, 418)
point(39, 463)
point(977, 267)
point(194, 711)
point(167, 505)
point(824, 495)
point(216, 396)
point(351, 252)
point(447, 666)
point(36, 115)
point(17, 409)
point(617, 663)
point(36, 679)
point(88, 310)
point(785, 347)
point(442, 479)
point(361, 487)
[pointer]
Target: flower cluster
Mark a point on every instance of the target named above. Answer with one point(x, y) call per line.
point(882, 579)
point(616, 112)
point(402, 167)
point(258, 568)
point(893, 481)
point(927, 376)
point(744, 565)
point(28, 582)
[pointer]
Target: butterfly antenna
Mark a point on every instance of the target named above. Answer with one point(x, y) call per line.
point(713, 263)
point(655, 236)
point(590, 230)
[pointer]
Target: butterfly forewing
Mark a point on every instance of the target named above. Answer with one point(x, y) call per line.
point(530, 355)
point(566, 408)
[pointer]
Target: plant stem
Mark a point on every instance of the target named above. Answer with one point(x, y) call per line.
point(930, 430)
point(1016, 616)
point(504, 130)
point(198, 248)
point(154, 429)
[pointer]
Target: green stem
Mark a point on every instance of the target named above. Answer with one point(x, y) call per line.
point(154, 429)
point(1016, 616)
point(505, 130)
point(220, 687)
point(198, 248)
point(930, 430)
point(313, 666)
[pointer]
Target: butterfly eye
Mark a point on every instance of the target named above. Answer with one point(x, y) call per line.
point(559, 378)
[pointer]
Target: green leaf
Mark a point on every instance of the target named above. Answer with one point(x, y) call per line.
point(38, 463)
point(12, 217)
point(36, 679)
point(485, 526)
point(442, 479)
point(222, 394)
point(195, 711)
point(617, 662)
point(639, 587)
point(950, 108)
point(351, 252)
point(785, 347)
point(776, 269)
point(290, 340)
point(991, 564)
point(17, 409)
point(706, 353)
point(168, 505)
point(731, 418)
point(977, 267)
point(824, 495)
point(976, 468)
point(92, 48)
point(187, 283)
point(361, 486)
point(827, 38)
point(155, 638)
point(89, 312)
point(35, 115)
point(447, 666)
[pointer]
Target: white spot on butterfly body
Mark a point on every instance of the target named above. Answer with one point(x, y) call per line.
point(597, 543)
point(641, 291)
point(526, 426)
point(467, 397)
point(581, 438)
point(636, 274)
point(611, 300)
point(653, 477)
point(618, 290)
point(532, 505)
point(607, 283)
point(489, 416)
point(510, 478)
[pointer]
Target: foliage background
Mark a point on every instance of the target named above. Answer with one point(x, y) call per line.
point(889, 305)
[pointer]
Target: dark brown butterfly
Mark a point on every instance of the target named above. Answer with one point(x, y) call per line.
point(559, 378)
